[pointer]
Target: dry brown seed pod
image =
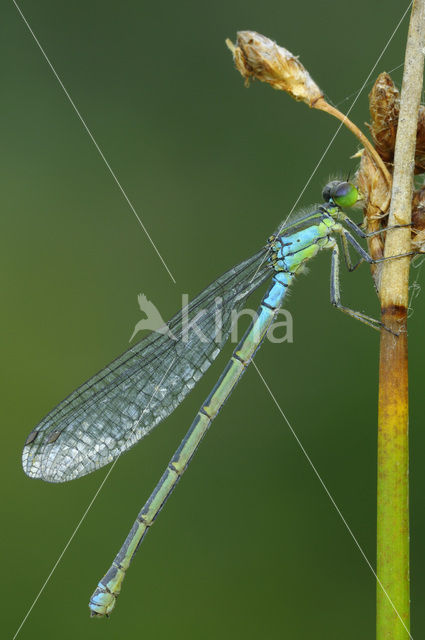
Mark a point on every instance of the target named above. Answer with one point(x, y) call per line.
point(384, 106)
point(375, 194)
point(374, 190)
point(262, 59)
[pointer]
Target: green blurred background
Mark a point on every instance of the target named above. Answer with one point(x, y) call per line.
point(249, 545)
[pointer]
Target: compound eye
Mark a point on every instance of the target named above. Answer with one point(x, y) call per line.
point(341, 190)
point(343, 194)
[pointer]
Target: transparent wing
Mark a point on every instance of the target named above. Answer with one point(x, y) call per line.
point(121, 404)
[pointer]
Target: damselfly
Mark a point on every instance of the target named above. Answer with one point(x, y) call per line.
point(122, 403)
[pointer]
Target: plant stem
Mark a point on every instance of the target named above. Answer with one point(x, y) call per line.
point(393, 604)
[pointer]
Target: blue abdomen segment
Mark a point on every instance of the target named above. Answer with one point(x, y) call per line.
point(276, 293)
point(271, 302)
point(249, 344)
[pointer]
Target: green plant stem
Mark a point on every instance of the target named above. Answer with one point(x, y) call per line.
point(393, 594)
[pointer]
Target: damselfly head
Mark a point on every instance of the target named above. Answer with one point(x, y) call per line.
point(343, 194)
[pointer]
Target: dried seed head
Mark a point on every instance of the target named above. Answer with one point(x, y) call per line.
point(374, 189)
point(384, 106)
point(260, 58)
